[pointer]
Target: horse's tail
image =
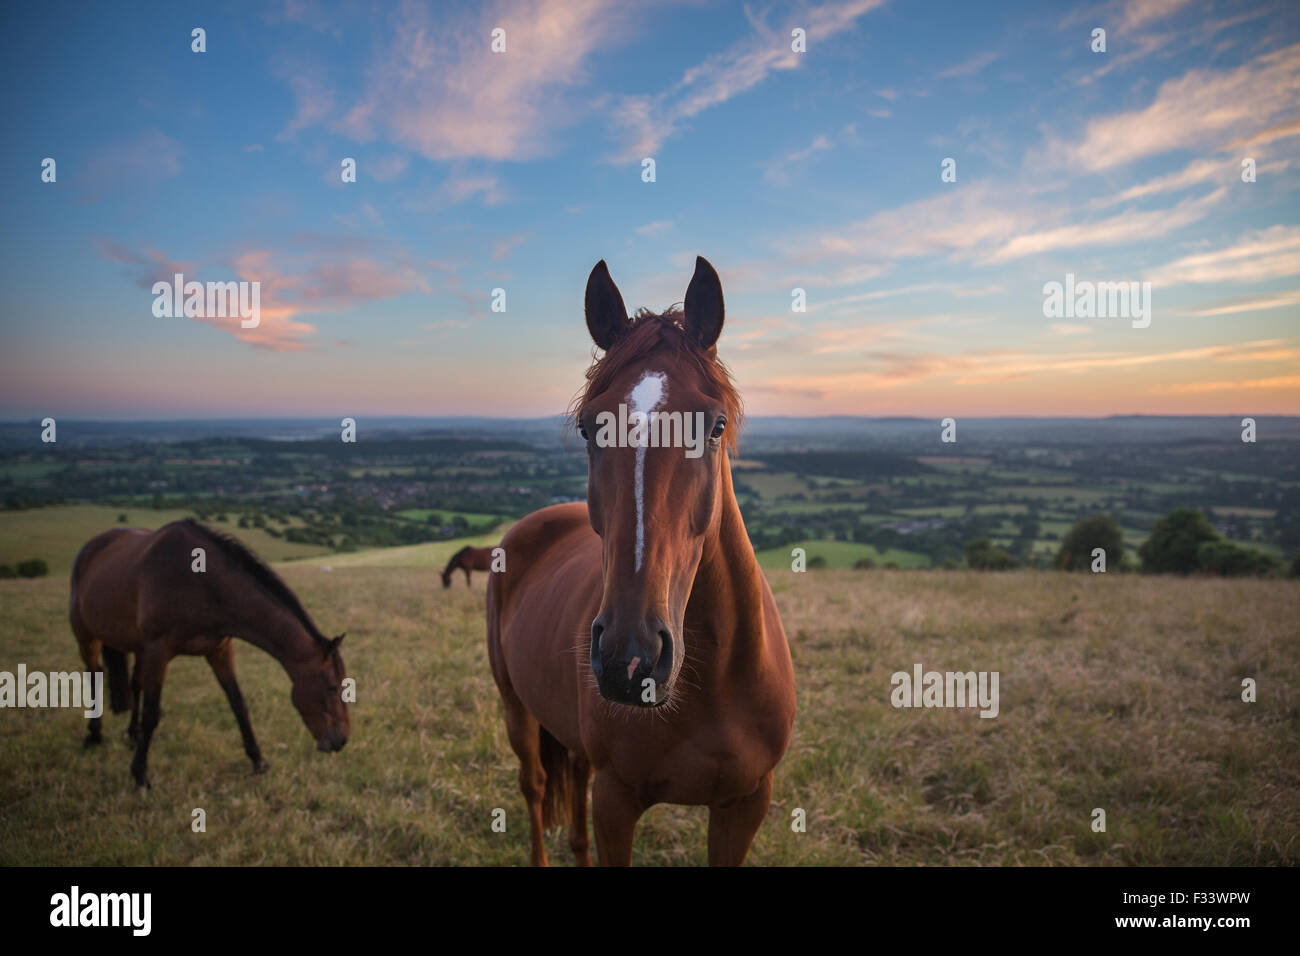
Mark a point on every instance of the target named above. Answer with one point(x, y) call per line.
point(113, 659)
point(115, 665)
point(559, 780)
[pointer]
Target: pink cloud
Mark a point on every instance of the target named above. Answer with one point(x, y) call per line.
point(321, 280)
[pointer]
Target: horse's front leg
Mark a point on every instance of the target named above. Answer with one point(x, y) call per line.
point(615, 810)
point(152, 662)
point(732, 825)
point(222, 661)
point(133, 728)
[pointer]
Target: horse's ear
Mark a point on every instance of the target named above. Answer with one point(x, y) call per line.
point(334, 644)
point(703, 305)
point(606, 314)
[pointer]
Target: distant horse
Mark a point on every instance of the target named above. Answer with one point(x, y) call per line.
point(136, 592)
point(467, 559)
point(648, 596)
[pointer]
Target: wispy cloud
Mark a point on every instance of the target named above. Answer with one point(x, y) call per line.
point(960, 222)
point(457, 189)
point(1116, 230)
point(656, 228)
point(1139, 13)
point(439, 90)
point(646, 122)
point(970, 66)
point(314, 281)
point(502, 248)
point(148, 265)
point(1202, 109)
point(1253, 304)
point(1271, 253)
point(778, 170)
point(136, 161)
point(1278, 382)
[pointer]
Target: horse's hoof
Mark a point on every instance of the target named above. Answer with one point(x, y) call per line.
point(260, 766)
point(143, 788)
point(92, 740)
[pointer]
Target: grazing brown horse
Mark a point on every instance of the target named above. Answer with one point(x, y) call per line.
point(635, 635)
point(136, 592)
point(467, 559)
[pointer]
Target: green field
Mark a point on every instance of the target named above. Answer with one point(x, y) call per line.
point(57, 534)
point(422, 514)
point(841, 554)
point(1117, 691)
point(433, 554)
point(773, 485)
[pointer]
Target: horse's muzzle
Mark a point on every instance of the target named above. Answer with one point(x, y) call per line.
point(331, 742)
point(633, 668)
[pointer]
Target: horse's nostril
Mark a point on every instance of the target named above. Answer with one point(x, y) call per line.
point(597, 629)
point(663, 667)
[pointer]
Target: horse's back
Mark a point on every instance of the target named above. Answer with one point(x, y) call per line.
point(112, 572)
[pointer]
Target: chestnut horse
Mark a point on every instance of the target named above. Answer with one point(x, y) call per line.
point(141, 592)
point(635, 636)
point(467, 559)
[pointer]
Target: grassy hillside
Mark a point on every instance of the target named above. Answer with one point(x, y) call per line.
point(56, 534)
point(1117, 692)
point(840, 554)
point(433, 554)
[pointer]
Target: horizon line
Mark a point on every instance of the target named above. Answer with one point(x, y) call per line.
point(558, 416)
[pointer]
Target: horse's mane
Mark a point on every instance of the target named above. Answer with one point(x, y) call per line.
point(655, 330)
point(452, 563)
point(271, 582)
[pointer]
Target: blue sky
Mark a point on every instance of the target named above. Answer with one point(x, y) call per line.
point(818, 170)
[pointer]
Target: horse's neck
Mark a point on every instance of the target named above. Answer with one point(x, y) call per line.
point(267, 624)
point(727, 598)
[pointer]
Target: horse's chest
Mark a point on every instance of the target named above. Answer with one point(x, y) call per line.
point(705, 769)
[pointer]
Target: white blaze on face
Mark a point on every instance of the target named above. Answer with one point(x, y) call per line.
point(646, 396)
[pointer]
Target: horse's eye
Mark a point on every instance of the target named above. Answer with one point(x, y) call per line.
point(582, 430)
point(718, 429)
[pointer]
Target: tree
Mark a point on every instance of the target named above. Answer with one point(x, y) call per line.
point(1230, 560)
point(983, 555)
point(35, 568)
point(1088, 534)
point(1174, 540)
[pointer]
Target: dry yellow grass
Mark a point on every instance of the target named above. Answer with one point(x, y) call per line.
point(1117, 692)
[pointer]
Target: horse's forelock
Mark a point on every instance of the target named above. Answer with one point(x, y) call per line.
point(651, 331)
